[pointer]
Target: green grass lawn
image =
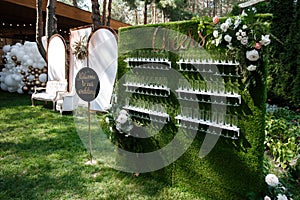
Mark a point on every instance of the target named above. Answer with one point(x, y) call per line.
point(42, 157)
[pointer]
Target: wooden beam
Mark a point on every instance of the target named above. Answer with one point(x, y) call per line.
point(66, 11)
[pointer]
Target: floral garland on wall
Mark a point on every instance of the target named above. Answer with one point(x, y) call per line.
point(243, 37)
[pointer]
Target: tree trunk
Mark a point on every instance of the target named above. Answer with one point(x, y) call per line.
point(104, 12)
point(39, 29)
point(109, 13)
point(75, 3)
point(145, 12)
point(136, 16)
point(153, 13)
point(51, 21)
point(95, 14)
point(221, 8)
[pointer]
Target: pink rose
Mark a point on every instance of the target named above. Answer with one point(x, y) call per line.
point(257, 45)
point(215, 19)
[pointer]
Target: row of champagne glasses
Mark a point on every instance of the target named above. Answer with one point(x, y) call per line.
point(210, 85)
point(147, 106)
point(216, 70)
point(152, 81)
point(213, 117)
point(159, 65)
point(159, 91)
point(220, 100)
point(232, 134)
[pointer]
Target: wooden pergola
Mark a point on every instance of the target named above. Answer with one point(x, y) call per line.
point(18, 19)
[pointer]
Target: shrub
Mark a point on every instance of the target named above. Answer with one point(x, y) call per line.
point(282, 135)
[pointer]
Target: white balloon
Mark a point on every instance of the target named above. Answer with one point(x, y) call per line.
point(43, 77)
point(29, 62)
point(20, 54)
point(30, 78)
point(40, 65)
point(18, 78)
point(14, 50)
point(6, 48)
point(9, 81)
point(20, 91)
point(25, 57)
point(4, 86)
point(12, 89)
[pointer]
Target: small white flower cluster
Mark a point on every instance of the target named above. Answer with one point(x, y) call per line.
point(241, 35)
point(273, 182)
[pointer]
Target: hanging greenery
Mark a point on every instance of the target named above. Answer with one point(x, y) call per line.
point(80, 48)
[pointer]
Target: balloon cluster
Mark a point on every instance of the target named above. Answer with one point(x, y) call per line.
point(24, 68)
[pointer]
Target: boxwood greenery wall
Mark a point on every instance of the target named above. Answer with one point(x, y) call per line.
point(233, 169)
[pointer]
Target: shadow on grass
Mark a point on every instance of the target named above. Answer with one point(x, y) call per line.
point(42, 157)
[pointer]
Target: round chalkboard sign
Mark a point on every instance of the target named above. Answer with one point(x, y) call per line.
point(87, 84)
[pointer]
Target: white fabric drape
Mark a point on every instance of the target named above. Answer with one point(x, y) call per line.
point(76, 64)
point(103, 57)
point(56, 59)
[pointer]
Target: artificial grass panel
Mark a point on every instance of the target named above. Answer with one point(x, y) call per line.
point(233, 169)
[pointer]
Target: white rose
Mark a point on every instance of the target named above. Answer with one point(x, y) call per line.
point(224, 27)
point(237, 34)
point(271, 179)
point(244, 40)
point(252, 56)
point(244, 27)
point(215, 33)
point(267, 198)
point(243, 34)
point(228, 21)
point(228, 38)
point(239, 38)
point(122, 118)
point(237, 22)
point(282, 197)
point(265, 40)
point(124, 112)
point(251, 68)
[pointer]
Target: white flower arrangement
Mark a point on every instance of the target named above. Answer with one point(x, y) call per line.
point(276, 190)
point(267, 198)
point(252, 55)
point(241, 34)
point(282, 197)
point(119, 121)
point(272, 180)
point(124, 122)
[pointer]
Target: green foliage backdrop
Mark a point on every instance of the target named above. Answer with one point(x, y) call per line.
point(284, 81)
